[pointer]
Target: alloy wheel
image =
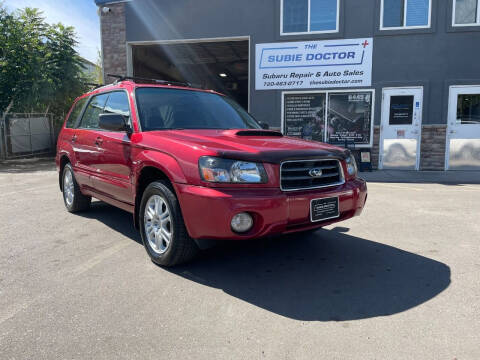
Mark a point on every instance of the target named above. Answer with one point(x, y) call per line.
point(158, 224)
point(68, 187)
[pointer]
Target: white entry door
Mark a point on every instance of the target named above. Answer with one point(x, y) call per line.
point(401, 128)
point(463, 129)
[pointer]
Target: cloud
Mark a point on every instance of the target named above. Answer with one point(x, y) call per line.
point(81, 14)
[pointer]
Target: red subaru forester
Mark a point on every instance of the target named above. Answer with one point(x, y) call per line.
point(191, 164)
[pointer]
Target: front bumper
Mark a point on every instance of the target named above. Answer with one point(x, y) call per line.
point(207, 212)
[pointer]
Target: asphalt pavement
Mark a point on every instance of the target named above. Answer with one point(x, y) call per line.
point(399, 282)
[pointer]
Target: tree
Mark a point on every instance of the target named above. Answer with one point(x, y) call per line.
point(40, 71)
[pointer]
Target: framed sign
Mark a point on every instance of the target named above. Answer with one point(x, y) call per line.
point(304, 116)
point(330, 116)
point(365, 156)
point(349, 117)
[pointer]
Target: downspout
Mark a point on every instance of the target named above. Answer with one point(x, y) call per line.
point(99, 13)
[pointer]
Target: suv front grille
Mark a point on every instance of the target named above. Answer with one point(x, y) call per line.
point(295, 174)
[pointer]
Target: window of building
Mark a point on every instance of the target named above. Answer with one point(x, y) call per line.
point(90, 117)
point(466, 12)
point(405, 14)
point(309, 16)
point(401, 110)
point(468, 109)
point(75, 113)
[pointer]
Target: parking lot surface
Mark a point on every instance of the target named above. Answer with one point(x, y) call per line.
point(399, 282)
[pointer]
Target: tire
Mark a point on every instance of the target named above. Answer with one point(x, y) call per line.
point(73, 198)
point(160, 218)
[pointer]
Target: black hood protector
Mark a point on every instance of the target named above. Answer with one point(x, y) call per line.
point(276, 157)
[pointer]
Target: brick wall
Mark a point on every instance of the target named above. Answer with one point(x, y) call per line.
point(114, 48)
point(432, 152)
point(376, 147)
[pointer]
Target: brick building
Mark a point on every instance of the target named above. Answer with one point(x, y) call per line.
point(398, 78)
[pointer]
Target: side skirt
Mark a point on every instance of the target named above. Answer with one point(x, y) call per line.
point(120, 204)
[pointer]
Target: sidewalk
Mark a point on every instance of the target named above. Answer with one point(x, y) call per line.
point(405, 176)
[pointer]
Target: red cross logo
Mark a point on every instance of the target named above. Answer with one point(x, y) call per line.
point(365, 44)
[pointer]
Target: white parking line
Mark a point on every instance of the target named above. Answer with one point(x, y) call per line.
point(97, 259)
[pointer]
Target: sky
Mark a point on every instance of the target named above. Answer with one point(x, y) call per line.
point(81, 14)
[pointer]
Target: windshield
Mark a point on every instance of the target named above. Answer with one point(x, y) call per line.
point(163, 109)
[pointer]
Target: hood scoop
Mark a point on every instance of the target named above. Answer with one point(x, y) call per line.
point(266, 133)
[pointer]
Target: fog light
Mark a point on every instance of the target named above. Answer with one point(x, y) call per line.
point(241, 222)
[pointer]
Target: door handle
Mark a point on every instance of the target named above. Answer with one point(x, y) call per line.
point(452, 131)
point(98, 141)
point(74, 138)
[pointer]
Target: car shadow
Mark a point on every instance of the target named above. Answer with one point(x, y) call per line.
point(324, 276)
point(115, 218)
point(328, 275)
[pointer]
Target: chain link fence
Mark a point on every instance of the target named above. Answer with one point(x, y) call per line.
point(23, 135)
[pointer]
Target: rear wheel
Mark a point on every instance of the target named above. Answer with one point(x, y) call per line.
point(72, 196)
point(162, 227)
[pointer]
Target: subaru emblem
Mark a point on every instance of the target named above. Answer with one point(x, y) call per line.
point(315, 172)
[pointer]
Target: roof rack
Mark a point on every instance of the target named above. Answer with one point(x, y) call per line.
point(155, 81)
point(94, 85)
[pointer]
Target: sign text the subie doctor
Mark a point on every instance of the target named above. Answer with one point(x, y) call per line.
point(314, 64)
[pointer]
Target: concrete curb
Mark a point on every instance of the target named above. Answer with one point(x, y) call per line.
point(440, 177)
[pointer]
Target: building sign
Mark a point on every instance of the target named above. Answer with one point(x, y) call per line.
point(334, 117)
point(314, 64)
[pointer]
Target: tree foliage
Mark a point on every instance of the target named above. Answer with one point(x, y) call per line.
point(40, 69)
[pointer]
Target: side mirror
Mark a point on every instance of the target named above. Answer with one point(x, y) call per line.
point(264, 125)
point(114, 122)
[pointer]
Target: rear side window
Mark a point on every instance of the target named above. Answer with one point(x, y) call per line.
point(75, 113)
point(94, 109)
point(117, 103)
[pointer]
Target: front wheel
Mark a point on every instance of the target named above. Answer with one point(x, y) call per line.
point(162, 227)
point(72, 196)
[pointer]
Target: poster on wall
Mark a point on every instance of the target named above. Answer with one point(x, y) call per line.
point(304, 116)
point(349, 117)
point(314, 64)
point(333, 117)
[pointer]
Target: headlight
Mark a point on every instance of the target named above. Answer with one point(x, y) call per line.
point(213, 169)
point(351, 165)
